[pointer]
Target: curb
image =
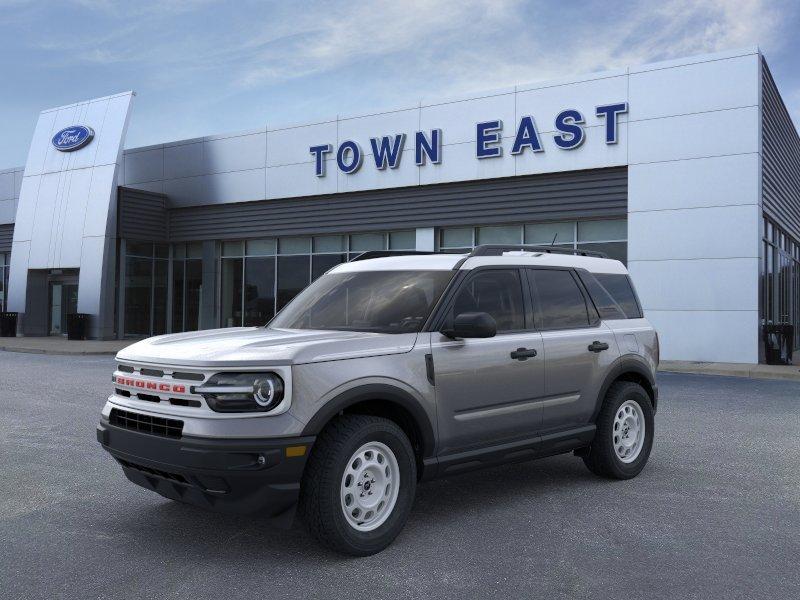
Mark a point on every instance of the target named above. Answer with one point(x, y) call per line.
point(743, 373)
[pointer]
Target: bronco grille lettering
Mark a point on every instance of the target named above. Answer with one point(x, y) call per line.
point(150, 385)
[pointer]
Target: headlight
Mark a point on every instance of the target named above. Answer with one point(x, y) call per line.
point(242, 392)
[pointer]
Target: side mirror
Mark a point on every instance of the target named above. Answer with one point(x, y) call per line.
point(472, 325)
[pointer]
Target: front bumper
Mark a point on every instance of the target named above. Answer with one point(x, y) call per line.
point(241, 476)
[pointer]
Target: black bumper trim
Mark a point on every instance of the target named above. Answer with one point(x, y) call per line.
point(241, 476)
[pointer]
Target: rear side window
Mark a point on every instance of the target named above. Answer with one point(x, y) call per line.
point(559, 299)
point(605, 304)
point(621, 290)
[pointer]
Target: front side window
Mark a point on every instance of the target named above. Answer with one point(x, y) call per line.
point(497, 292)
point(373, 301)
point(560, 300)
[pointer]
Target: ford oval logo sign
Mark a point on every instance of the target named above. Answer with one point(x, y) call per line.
point(72, 138)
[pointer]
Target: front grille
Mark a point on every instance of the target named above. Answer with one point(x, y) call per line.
point(171, 428)
point(150, 471)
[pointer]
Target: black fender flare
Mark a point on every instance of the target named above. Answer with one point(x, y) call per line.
point(627, 364)
point(376, 391)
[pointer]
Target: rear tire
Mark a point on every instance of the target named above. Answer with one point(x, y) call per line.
point(624, 437)
point(359, 484)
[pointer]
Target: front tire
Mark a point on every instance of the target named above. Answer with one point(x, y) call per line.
point(624, 437)
point(359, 484)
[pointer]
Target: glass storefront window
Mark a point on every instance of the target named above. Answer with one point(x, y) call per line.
point(299, 245)
point(457, 237)
point(160, 291)
point(294, 274)
point(602, 231)
point(259, 291)
point(5, 260)
point(545, 234)
point(330, 243)
point(505, 234)
point(146, 288)
point(403, 240)
point(178, 290)
point(364, 242)
point(608, 236)
point(138, 295)
point(232, 248)
point(231, 286)
point(260, 247)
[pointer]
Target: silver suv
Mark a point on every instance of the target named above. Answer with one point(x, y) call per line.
point(386, 371)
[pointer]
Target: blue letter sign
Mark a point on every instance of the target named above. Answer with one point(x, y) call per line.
point(432, 149)
point(319, 158)
point(387, 152)
point(527, 137)
point(487, 133)
point(569, 122)
point(610, 112)
point(349, 157)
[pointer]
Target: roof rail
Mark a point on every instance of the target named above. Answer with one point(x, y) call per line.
point(384, 253)
point(499, 249)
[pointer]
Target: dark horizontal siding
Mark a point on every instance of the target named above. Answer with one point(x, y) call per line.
point(6, 237)
point(586, 194)
point(142, 215)
point(780, 159)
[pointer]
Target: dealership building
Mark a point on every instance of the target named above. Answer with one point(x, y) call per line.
point(687, 170)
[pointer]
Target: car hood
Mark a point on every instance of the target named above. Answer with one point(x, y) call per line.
point(253, 346)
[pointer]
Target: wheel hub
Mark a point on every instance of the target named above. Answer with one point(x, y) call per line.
point(370, 486)
point(629, 431)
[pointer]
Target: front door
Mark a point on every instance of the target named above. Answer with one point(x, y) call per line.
point(483, 394)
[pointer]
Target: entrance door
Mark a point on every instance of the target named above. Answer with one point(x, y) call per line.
point(63, 300)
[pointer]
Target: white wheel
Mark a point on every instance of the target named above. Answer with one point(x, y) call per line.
point(369, 487)
point(629, 431)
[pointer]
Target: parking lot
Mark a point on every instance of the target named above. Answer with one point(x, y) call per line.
point(716, 514)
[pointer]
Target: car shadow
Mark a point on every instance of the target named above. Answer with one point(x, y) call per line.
point(440, 504)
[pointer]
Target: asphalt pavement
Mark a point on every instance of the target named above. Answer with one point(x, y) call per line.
point(716, 513)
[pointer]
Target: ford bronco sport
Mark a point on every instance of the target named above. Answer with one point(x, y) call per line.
point(386, 371)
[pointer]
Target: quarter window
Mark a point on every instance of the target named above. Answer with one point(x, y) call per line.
point(619, 286)
point(560, 300)
point(497, 292)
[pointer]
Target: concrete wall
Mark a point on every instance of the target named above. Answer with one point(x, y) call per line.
point(693, 204)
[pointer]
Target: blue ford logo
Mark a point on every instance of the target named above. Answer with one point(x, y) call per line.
point(72, 138)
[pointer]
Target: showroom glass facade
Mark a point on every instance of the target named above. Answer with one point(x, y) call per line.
point(257, 277)
point(146, 288)
point(187, 286)
point(609, 236)
point(780, 282)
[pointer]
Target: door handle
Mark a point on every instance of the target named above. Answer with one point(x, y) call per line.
point(596, 346)
point(523, 354)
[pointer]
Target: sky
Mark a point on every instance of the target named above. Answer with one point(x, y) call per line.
point(203, 67)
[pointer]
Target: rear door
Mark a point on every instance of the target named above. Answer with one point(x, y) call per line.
point(578, 348)
point(484, 395)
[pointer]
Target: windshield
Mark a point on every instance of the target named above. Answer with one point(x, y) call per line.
point(376, 301)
